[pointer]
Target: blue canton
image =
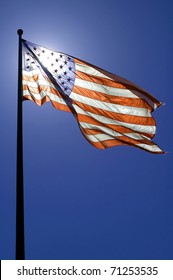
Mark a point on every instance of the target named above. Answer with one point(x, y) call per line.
point(59, 65)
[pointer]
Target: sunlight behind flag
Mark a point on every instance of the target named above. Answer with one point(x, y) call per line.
point(110, 110)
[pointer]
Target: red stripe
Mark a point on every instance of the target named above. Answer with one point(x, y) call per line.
point(99, 80)
point(123, 138)
point(122, 81)
point(124, 101)
point(120, 142)
point(117, 128)
point(42, 88)
point(57, 105)
point(115, 116)
point(107, 144)
point(38, 102)
point(110, 143)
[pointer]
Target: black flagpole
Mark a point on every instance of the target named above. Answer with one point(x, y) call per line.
point(20, 246)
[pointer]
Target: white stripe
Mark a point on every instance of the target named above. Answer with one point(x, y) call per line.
point(32, 73)
point(115, 108)
point(104, 89)
point(114, 91)
point(37, 96)
point(99, 137)
point(112, 132)
point(153, 148)
point(90, 71)
point(40, 96)
point(104, 137)
point(104, 120)
point(108, 131)
point(39, 82)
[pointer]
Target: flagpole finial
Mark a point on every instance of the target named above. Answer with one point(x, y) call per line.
point(19, 31)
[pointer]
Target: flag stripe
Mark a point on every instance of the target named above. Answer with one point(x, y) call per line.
point(27, 96)
point(101, 80)
point(110, 110)
point(104, 136)
point(58, 106)
point(34, 80)
point(89, 70)
point(116, 116)
point(125, 110)
point(94, 129)
point(111, 143)
point(119, 82)
point(116, 127)
point(153, 148)
point(91, 117)
point(130, 85)
point(112, 91)
point(129, 138)
point(103, 141)
point(106, 143)
point(120, 100)
point(103, 88)
point(42, 90)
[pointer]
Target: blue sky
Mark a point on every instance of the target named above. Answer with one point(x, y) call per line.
point(80, 202)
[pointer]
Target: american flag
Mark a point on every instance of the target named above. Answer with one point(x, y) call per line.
point(110, 110)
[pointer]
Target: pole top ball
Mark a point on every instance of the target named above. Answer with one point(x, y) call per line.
point(19, 31)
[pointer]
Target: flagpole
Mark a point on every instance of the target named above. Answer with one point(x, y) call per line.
point(20, 246)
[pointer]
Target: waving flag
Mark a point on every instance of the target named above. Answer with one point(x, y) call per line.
point(110, 110)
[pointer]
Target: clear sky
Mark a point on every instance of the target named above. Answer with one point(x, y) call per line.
point(80, 202)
